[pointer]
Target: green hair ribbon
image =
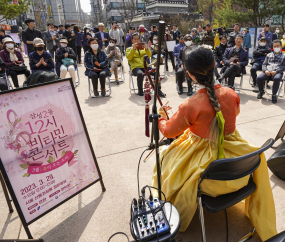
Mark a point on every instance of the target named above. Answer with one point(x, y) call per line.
point(221, 123)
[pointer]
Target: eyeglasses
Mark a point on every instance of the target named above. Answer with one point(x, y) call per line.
point(181, 38)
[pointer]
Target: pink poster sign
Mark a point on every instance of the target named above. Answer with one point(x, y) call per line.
point(43, 147)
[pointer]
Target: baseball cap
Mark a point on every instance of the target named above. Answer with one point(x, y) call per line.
point(209, 24)
point(7, 39)
point(247, 29)
point(38, 41)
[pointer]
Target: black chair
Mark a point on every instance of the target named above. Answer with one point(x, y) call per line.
point(226, 170)
point(277, 238)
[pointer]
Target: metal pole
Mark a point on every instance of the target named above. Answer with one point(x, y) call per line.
point(8, 200)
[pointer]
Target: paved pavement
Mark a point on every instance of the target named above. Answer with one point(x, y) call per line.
point(116, 127)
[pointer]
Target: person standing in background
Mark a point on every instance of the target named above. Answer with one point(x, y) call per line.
point(52, 39)
point(78, 42)
point(117, 33)
point(275, 35)
point(246, 39)
point(153, 33)
point(233, 35)
point(175, 33)
point(200, 32)
point(102, 36)
point(265, 33)
point(70, 37)
point(30, 34)
point(168, 37)
point(86, 37)
point(129, 37)
point(208, 36)
point(61, 30)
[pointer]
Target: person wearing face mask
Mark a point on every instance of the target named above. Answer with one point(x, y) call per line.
point(218, 53)
point(177, 47)
point(265, 33)
point(153, 33)
point(86, 37)
point(52, 39)
point(273, 68)
point(115, 58)
point(154, 51)
point(259, 54)
point(12, 57)
point(63, 57)
point(97, 66)
point(276, 34)
point(40, 60)
point(179, 74)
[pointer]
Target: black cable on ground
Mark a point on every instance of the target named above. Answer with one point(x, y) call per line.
point(117, 234)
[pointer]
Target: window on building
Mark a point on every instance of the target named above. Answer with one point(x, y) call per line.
point(276, 20)
point(141, 6)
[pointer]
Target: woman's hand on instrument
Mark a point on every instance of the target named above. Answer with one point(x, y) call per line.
point(166, 107)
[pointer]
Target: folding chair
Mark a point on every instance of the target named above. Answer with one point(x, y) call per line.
point(185, 89)
point(226, 170)
point(277, 238)
point(91, 92)
point(122, 78)
point(78, 80)
point(8, 82)
point(279, 91)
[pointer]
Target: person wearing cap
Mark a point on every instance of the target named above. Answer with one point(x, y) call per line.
point(232, 35)
point(30, 34)
point(63, 65)
point(40, 60)
point(265, 33)
point(180, 74)
point(246, 39)
point(52, 39)
point(129, 37)
point(12, 57)
point(61, 30)
point(70, 36)
point(195, 37)
point(208, 36)
point(102, 36)
point(259, 54)
point(235, 60)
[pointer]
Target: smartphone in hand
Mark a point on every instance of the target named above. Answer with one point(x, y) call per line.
point(140, 46)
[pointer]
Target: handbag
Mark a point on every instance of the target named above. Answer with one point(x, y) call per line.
point(18, 68)
point(67, 61)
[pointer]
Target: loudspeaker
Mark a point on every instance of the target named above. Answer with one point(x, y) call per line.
point(276, 163)
point(14, 29)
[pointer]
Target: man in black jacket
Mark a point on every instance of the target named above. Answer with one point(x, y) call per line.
point(259, 55)
point(175, 33)
point(153, 33)
point(29, 34)
point(218, 53)
point(70, 36)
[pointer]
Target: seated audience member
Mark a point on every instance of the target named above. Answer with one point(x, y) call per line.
point(273, 67)
point(86, 36)
point(218, 53)
point(180, 45)
point(180, 75)
point(12, 58)
point(208, 36)
point(154, 51)
point(265, 33)
point(96, 63)
point(115, 58)
point(259, 55)
point(135, 58)
point(144, 34)
point(3, 83)
point(235, 60)
point(233, 35)
point(40, 60)
point(195, 37)
point(65, 60)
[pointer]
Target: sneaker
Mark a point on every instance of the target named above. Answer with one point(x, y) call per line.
point(190, 92)
point(161, 94)
point(260, 94)
point(180, 92)
point(140, 93)
point(166, 68)
point(103, 92)
point(274, 99)
point(253, 85)
point(96, 93)
point(117, 82)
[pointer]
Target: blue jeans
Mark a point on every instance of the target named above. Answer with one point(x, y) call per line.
point(276, 79)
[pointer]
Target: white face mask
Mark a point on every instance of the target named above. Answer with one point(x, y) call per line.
point(10, 45)
point(277, 31)
point(283, 36)
point(262, 44)
point(111, 44)
point(94, 46)
point(87, 30)
point(277, 50)
point(63, 45)
point(154, 42)
point(188, 43)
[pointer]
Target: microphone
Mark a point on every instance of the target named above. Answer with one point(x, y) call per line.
point(167, 141)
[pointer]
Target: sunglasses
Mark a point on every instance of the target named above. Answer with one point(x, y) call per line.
point(181, 38)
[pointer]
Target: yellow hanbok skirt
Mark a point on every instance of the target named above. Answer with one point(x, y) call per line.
point(189, 155)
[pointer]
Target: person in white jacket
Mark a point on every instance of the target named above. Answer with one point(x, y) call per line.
point(117, 33)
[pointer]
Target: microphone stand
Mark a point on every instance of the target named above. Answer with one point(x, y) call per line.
point(153, 118)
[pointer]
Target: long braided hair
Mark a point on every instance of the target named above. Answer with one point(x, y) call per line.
point(200, 63)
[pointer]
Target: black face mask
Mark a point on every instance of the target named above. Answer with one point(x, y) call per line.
point(39, 48)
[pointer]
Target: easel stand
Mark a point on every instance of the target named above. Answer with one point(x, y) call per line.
point(8, 199)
